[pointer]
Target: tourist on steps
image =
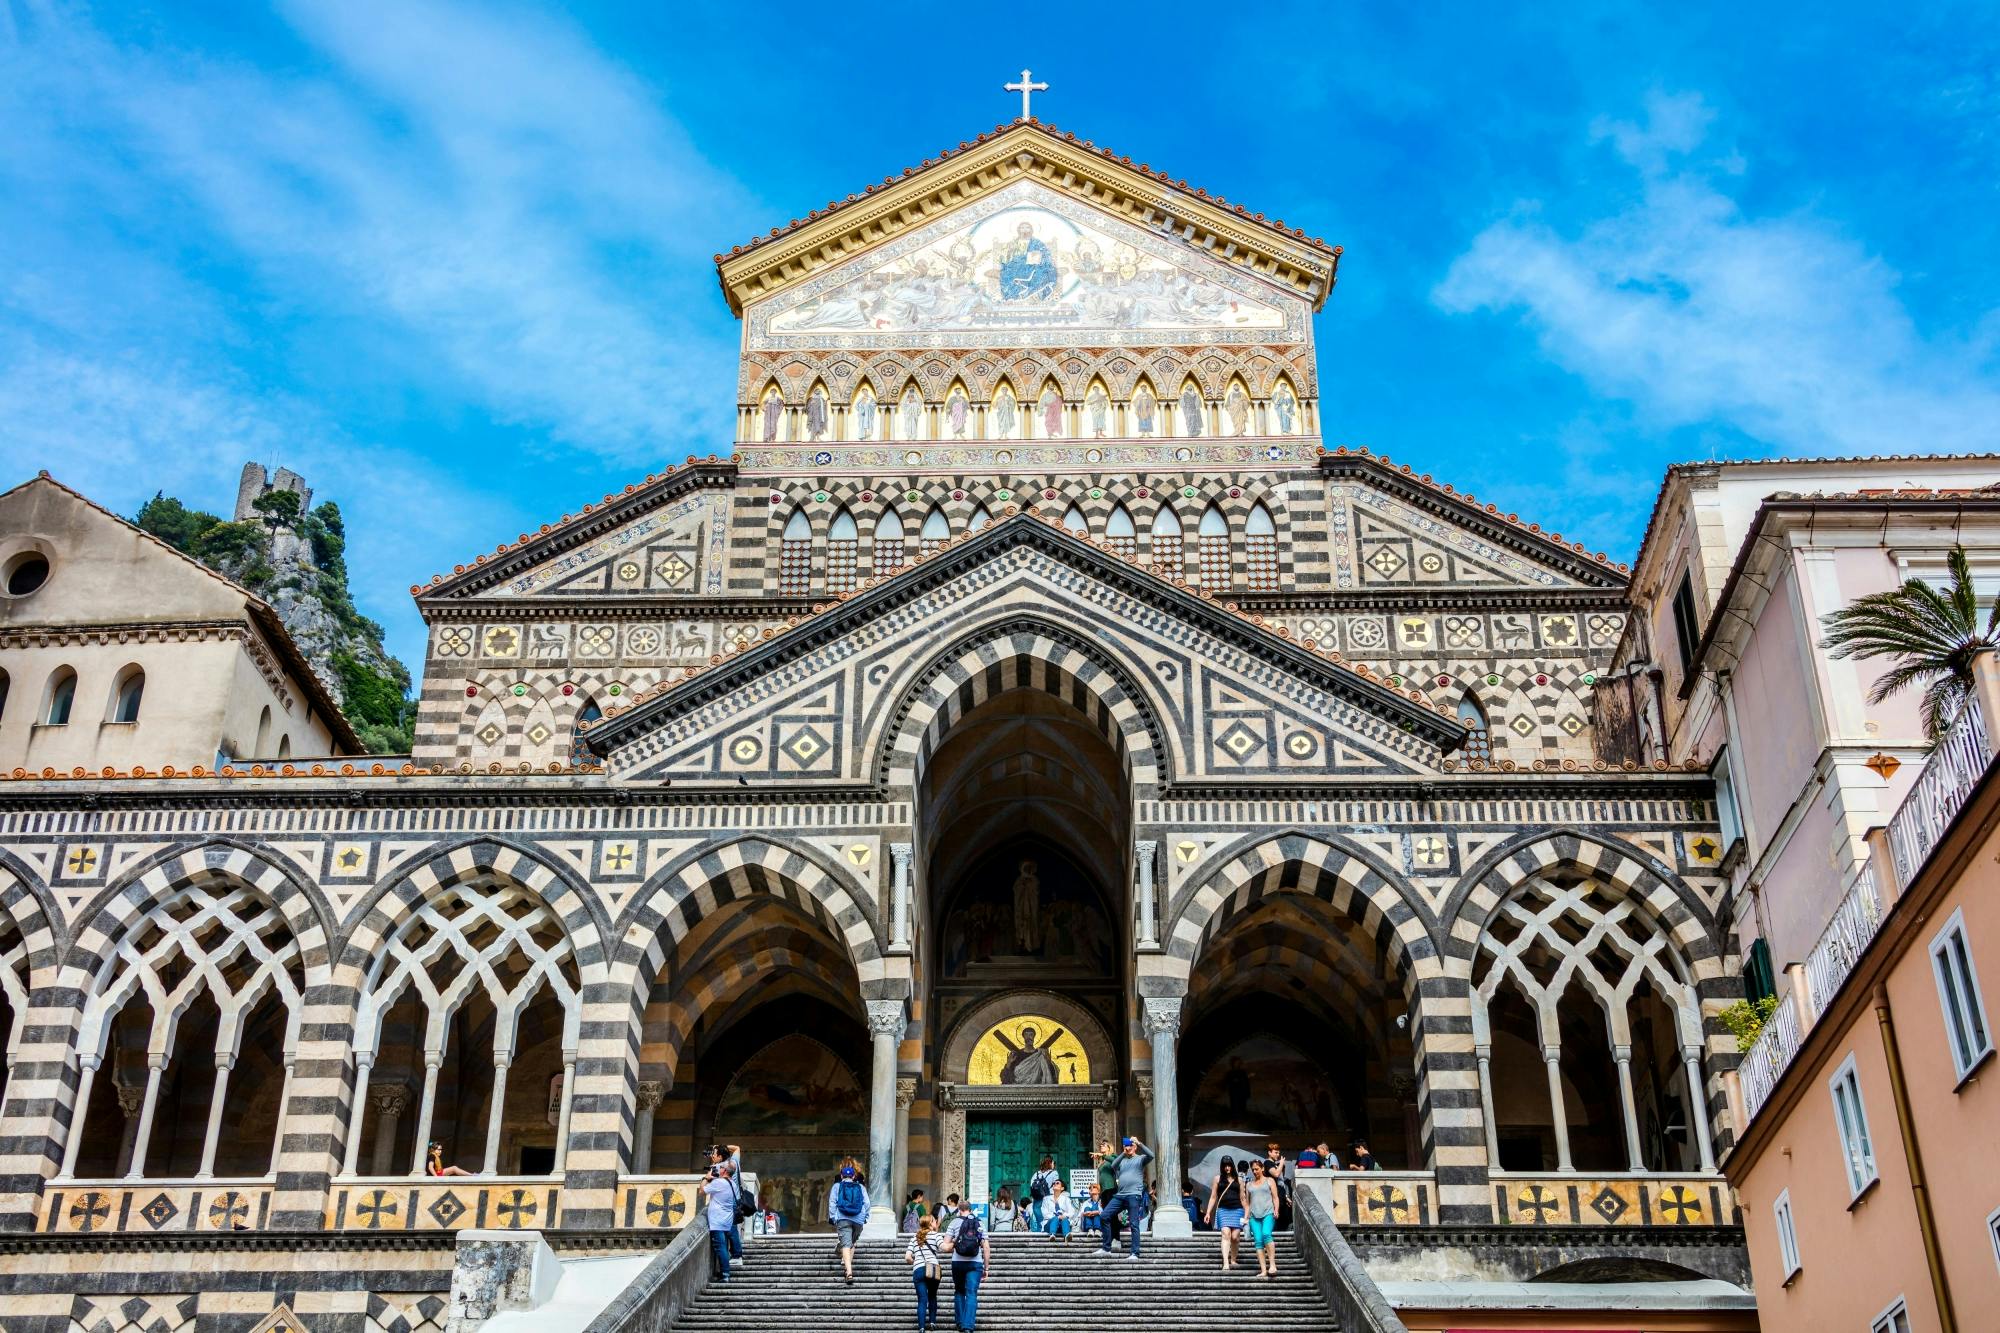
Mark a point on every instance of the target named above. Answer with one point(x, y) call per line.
point(1090, 1217)
point(1001, 1215)
point(1061, 1212)
point(847, 1209)
point(914, 1211)
point(731, 1158)
point(1039, 1189)
point(925, 1256)
point(1225, 1210)
point(1107, 1189)
point(970, 1253)
point(1130, 1200)
point(721, 1211)
point(1260, 1204)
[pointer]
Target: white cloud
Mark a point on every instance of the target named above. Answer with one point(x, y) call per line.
point(1781, 327)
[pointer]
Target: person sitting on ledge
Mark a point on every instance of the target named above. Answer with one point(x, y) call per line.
point(434, 1165)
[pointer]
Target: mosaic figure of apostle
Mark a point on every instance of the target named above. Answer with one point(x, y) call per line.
point(1190, 411)
point(1028, 1064)
point(1237, 405)
point(1098, 403)
point(1027, 267)
point(774, 411)
point(1005, 417)
point(1284, 405)
point(1052, 413)
point(864, 416)
point(956, 410)
point(1143, 407)
point(816, 412)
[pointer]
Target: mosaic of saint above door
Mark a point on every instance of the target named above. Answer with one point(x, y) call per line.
point(1027, 1052)
point(1024, 260)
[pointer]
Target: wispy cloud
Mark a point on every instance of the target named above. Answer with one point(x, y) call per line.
point(1782, 328)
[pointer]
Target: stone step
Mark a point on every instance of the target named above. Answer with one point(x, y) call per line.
point(1032, 1283)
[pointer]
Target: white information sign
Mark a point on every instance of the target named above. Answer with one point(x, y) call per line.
point(978, 1180)
point(1081, 1178)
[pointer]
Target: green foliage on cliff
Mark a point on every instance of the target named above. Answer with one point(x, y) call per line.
point(374, 687)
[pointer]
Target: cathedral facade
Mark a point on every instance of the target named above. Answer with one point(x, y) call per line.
point(1027, 733)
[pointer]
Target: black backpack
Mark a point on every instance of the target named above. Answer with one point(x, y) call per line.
point(1038, 1189)
point(967, 1245)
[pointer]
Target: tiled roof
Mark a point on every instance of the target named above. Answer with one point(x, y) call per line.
point(1277, 225)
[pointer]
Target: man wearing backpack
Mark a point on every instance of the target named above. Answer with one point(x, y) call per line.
point(969, 1255)
point(847, 1209)
point(1130, 1201)
point(731, 1157)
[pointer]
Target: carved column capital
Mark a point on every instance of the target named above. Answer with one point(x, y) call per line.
point(906, 1092)
point(651, 1092)
point(389, 1098)
point(130, 1099)
point(885, 1018)
point(1143, 1083)
point(1162, 1016)
point(899, 852)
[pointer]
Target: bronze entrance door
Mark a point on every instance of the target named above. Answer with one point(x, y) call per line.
point(1016, 1144)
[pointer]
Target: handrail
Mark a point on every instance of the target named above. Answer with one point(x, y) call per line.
point(1840, 945)
point(1358, 1304)
point(1949, 775)
point(1765, 1062)
point(663, 1289)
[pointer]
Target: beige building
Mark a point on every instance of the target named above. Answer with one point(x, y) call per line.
point(1869, 1184)
point(117, 652)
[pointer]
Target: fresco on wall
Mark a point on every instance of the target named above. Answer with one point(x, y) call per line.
point(1267, 1086)
point(1022, 910)
point(1025, 259)
point(794, 1086)
point(1028, 1051)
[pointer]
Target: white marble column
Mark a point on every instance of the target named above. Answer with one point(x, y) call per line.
point(156, 1065)
point(899, 925)
point(906, 1094)
point(224, 1063)
point(651, 1093)
point(1552, 1057)
point(562, 1116)
point(426, 1107)
point(1147, 851)
point(1163, 1025)
point(1698, 1105)
point(885, 1028)
point(390, 1100)
point(1484, 1055)
point(86, 1074)
point(357, 1112)
point(1634, 1160)
point(496, 1113)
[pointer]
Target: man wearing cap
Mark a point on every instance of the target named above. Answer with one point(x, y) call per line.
point(847, 1209)
point(1130, 1200)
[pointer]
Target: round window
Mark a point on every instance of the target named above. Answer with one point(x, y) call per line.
point(26, 572)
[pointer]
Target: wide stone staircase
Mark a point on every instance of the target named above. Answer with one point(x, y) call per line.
point(1033, 1283)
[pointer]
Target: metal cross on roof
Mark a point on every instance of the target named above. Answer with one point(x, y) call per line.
point(1025, 87)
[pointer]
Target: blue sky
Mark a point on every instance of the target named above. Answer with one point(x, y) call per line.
point(452, 261)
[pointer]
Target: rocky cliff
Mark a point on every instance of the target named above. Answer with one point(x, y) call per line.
point(294, 555)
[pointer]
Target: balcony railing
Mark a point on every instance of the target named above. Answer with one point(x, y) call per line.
point(1951, 772)
point(1953, 769)
point(1764, 1063)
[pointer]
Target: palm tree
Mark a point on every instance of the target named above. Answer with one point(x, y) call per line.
point(1934, 632)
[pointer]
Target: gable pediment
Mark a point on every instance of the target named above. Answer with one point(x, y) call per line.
point(1222, 699)
point(1028, 266)
point(663, 537)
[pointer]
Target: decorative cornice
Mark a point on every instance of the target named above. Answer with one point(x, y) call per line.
point(1228, 233)
point(1046, 1096)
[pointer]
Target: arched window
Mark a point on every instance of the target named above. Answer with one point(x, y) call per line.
point(889, 553)
point(936, 532)
point(980, 518)
point(1260, 550)
point(1478, 740)
point(262, 747)
point(62, 697)
point(1120, 533)
point(1215, 560)
point(795, 556)
point(579, 753)
point(842, 540)
point(127, 693)
point(285, 746)
point(1074, 520)
point(1167, 544)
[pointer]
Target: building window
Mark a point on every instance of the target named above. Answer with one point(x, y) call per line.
point(1120, 534)
point(26, 573)
point(795, 556)
point(936, 532)
point(1958, 991)
point(1167, 560)
point(125, 698)
point(888, 544)
point(1895, 1319)
point(1788, 1238)
point(62, 697)
point(1993, 1232)
point(1214, 551)
point(579, 752)
point(1726, 813)
point(980, 519)
point(1758, 976)
point(1260, 550)
point(843, 539)
point(1687, 624)
point(1478, 739)
point(1852, 1120)
point(1074, 520)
